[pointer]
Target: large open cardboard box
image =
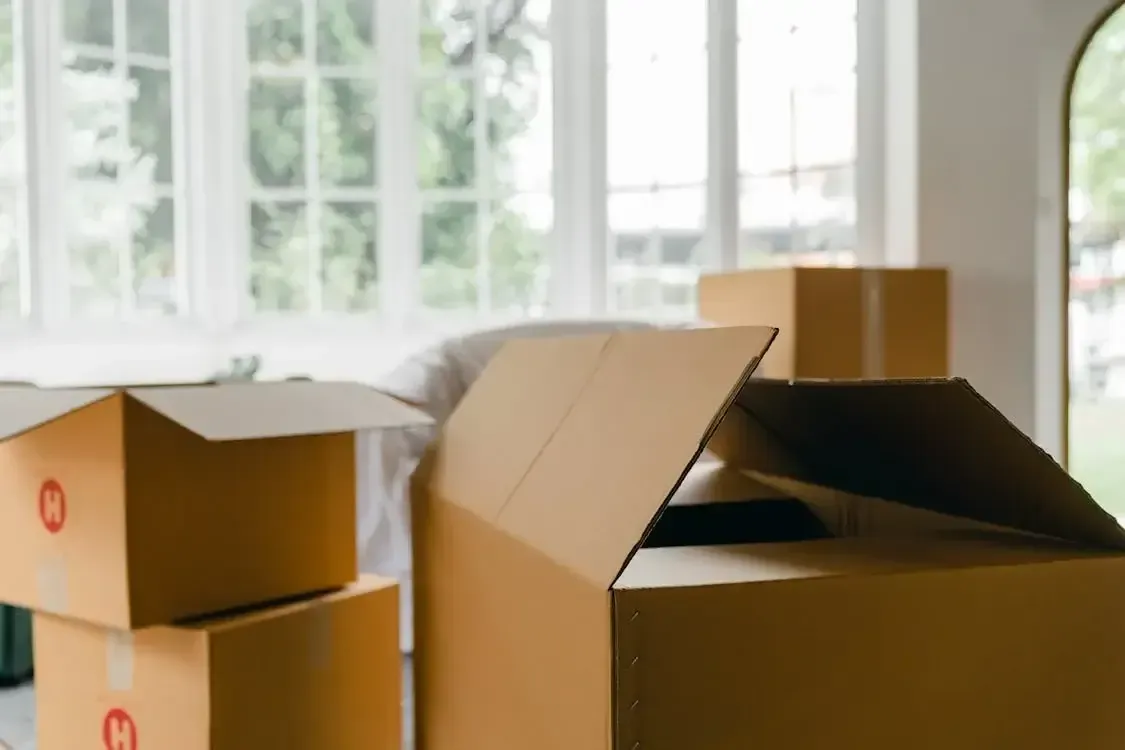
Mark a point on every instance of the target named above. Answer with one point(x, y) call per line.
point(143, 506)
point(545, 619)
point(317, 673)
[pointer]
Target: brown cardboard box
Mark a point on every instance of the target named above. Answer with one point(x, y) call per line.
point(320, 673)
point(839, 322)
point(544, 619)
point(139, 507)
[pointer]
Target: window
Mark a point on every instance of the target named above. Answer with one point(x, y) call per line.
point(797, 132)
point(332, 183)
point(1096, 308)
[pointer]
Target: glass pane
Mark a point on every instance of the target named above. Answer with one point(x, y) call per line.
point(640, 31)
point(154, 259)
point(519, 243)
point(99, 222)
point(347, 132)
point(657, 251)
point(522, 125)
point(345, 31)
point(274, 31)
point(448, 277)
point(277, 133)
point(448, 32)
point(279, 257)
point(446, 141)
point(519, 34)
point(96, 103)
point(350, 261)
point(13, 155)
point(10, 257)
point(657, 127)
point(150, 121)
point(765, 118)
point(88, 21)
point(824, 132)
point(148, 27)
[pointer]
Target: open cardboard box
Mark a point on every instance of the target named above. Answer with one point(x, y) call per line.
point(130, 507)
point(968, 594)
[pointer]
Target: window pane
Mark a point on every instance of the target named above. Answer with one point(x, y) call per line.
point(446, 137)
point(641, 31)
point(280, 258)
point(274, 31)
point(520, 114)
point(11, 257)
point(345, 31)
point(350, 268)
point(518, 245)
point(658, 123)
point(450, 248)
point(88, 21)
point(825, 126)
point(347, 133)
point(657, 252)
point(277, 133)
point(97, 227)
point(96, 104)
point(148, 27)
point(150, 121)
point(154, 259)
point(448, 33)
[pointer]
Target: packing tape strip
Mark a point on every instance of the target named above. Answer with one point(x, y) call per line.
point(871, 282)
point(51, 584)
point(320, 634)
point(119, 660)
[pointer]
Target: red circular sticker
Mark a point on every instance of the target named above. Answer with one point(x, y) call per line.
point(119, 731)
point(52, 506)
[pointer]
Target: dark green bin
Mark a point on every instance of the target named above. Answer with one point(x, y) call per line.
point(15, 645)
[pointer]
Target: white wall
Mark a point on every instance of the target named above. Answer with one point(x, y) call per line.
point(972, 116)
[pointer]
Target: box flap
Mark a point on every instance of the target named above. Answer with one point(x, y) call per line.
point(574, 445)
point(245, 410)
point(930, 444)
point(25, 407)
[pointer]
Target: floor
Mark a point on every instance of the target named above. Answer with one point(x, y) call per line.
point(17, 714)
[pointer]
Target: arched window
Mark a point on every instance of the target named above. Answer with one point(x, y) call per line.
point(1096, 300)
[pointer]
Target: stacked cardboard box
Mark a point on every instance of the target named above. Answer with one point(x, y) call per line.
point(839, 322)
point(555, 607)
point(190, 556)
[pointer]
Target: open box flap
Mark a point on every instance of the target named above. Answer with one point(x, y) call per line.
point(249, 410)
point(574, 445)
point(25, 407)
point(931, 444)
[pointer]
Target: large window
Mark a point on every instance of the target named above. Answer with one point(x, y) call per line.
point(331, 183)
point(1097, 268)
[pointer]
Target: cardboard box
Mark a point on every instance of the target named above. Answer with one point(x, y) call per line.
point(144, 506)
point(839, 322)
point(320, 673)
point(544, 617)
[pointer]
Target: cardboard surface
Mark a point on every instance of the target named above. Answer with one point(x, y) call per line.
point(839, 322)
point(320, 673)
point(556, 606)
point(143, 506)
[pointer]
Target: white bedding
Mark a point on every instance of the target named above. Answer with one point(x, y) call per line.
point(434, 381)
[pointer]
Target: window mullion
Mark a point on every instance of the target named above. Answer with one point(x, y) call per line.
point(722, 134)
point(46, 129)
point(399, 240)
point(579, 273)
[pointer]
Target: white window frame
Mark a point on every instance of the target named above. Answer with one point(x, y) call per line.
point(210, 74)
